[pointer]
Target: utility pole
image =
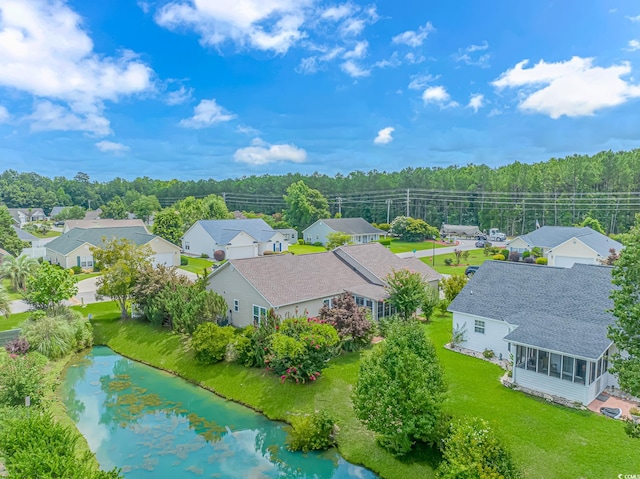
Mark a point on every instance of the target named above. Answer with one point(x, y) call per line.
point(224, 197)
point(388, 201)
point(407, 215)
point(89, 204)
point(339, 206)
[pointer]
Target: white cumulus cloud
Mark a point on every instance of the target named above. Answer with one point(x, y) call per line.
point(476, 102)
point(45, 52)
point(354, 70)
point(414, 38)
point(438, 95)
point(634, 19)
point(633, 45)
point(273, 25)
point(4, 114)
point(337, 12)
point(179, 96)
point(573, 88)
point(207, 113)
point(470, 56)
point(111, 147)
point(358, 51)
point(384, 136)
point(420, 81)
point(262, 153)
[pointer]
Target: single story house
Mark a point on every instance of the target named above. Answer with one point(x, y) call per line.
point(74, 247)
point(22, 216)
point(56, 210)
point(93, 214)
point(301, 284)
point(105, 223)
point(36, 248)
point(290, 235)
point(552, 321)
point(566, 245)
point(242, 238)
point(358, 228)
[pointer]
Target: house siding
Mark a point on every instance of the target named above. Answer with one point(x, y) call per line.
point(198, 241)
point(162, 247)
point(553, 386)
point(70, 260)
point(231, 285)
point(517, 245)
point(572, 251)
point(278, 240)
point(494, 332)
point(317, 232)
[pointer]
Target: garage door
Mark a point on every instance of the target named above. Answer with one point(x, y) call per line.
point(163, 258)
point(239, 252)
point(569, 261)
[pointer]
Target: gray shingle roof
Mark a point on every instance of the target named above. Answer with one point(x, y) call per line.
point(24, 235)
point(71, 240)
point(561, 309)
point(552, 236)
point(223, 231)
point(351, 226)
point(321, 275)
point(56, 210)
point(104, 223)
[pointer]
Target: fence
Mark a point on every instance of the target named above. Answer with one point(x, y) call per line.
point(6, 336)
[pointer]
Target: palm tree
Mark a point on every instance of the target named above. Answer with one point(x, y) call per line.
point(17, 270)
point(5, 304)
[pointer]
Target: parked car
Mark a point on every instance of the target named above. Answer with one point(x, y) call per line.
point(470, 271)
point(58, 223)
point(482, 243)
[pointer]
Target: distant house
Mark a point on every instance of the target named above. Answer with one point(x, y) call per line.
point(93, 214)
point(566, 245)
point(74, 247)
point(290, 235)
point(56, 210)
point(358, 228)
point(552, 320)
point(246, 238)
point(295, 284)
point(22, 216)
point(106, 223)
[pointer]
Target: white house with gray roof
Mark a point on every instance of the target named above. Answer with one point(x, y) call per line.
point(359, 229)
point(238, 238)
point(552, 320)
point(301, 284)
point(566, 245)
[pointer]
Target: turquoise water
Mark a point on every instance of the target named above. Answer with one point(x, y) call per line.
point(156, 426)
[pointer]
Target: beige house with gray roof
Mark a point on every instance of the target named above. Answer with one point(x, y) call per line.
point(300, 284)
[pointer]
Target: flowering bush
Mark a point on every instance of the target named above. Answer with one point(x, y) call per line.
point(349, 320)
point(298, 351)
point(18, 346)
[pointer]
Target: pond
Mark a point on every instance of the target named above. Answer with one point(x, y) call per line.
point(154, 425)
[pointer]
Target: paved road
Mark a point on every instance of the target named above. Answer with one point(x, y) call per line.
point(427, 253)
point(86, 293)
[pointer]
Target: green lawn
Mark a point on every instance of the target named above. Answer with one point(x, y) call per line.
point(13, 322)
point(546, 440)
point(97, 310)
point(12, 293)
point(82, 276)
point(197, 265)
point(306, 249)
point(398, 246)
point(48, 234)
point(476, 257)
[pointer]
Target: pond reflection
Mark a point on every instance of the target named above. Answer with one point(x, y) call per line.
point(154, 425)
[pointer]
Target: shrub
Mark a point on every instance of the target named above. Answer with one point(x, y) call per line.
point(97, 267)
point(632, 428)
point(530, 260)
point(541, 260)
point(472, 450)
point(318, 243)
point(19, 346)
point(452, 285)
point(184, 261)
point(458, 334)
point(301, 242)
point(385, 323)
point(83, 333)
point(488, 354)
point(299, 351)
point(219, 255)
point(311, 432)
point(448, 261)
point(49, 335)
point(33, 445)
point(498, 257)
point(209, 341)
point(21, 376)
point(430, 303)
point(635, 411)
point(349, 320)
point(385, 241)
point(505, 253)
point(514, 256)
point(76, 269)
point(204, 255)
point(465, 255)
point(443, 305)
point(526, 254)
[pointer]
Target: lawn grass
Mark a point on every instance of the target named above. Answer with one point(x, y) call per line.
point(476, 257)
point(82, 276)
point(97, 310)
point(48, 234)
point(13, 294)
point(546, 440)
point(197, 265)
point(398, 246)
point(14, 321)
point(305, 249)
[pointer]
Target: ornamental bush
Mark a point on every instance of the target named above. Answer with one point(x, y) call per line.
point(209, 342)
point(18, 346)
point(52, 336)
point(349, 320)
point(311, 432)
point(21, 376)
point(505, 253)
point(300, 349)
point(542, 261)
point(471, 450)
point(498, 257)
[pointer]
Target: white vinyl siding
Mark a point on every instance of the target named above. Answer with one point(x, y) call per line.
point(236, 305)
point(479, 326)
point(494, 332)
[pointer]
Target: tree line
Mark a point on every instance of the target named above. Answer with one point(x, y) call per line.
point(560, 191)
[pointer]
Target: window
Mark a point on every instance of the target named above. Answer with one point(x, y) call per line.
point(567, 368)
point(236, 305)
point(327, 303)
point(86, 261)
point(581, 371)
point(521, 356)
point(556, 365)
point(259, 313)
point(479, 326)
point(543, 362)
point(532, 359)
point(186, 245)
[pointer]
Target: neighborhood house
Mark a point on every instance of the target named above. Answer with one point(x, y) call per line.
point(553, 321)
point(359, 229)
point(74, 247)
point(22, 216)
point(241, 238)
point(566, 245)
point(293, 285)
point(102, 223)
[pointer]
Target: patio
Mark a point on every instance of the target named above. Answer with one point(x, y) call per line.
point(612, 402)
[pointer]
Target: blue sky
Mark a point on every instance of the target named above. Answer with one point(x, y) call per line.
point(226, 88)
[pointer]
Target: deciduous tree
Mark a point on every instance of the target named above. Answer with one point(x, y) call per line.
point(336, 239)
point(49, 286)
point(304, 205)
point(350, 321)
point(406, 291)
point(115, 209)
point(145, 206)
point(168, 225)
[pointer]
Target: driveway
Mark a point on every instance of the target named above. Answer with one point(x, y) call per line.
point(462, 245)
